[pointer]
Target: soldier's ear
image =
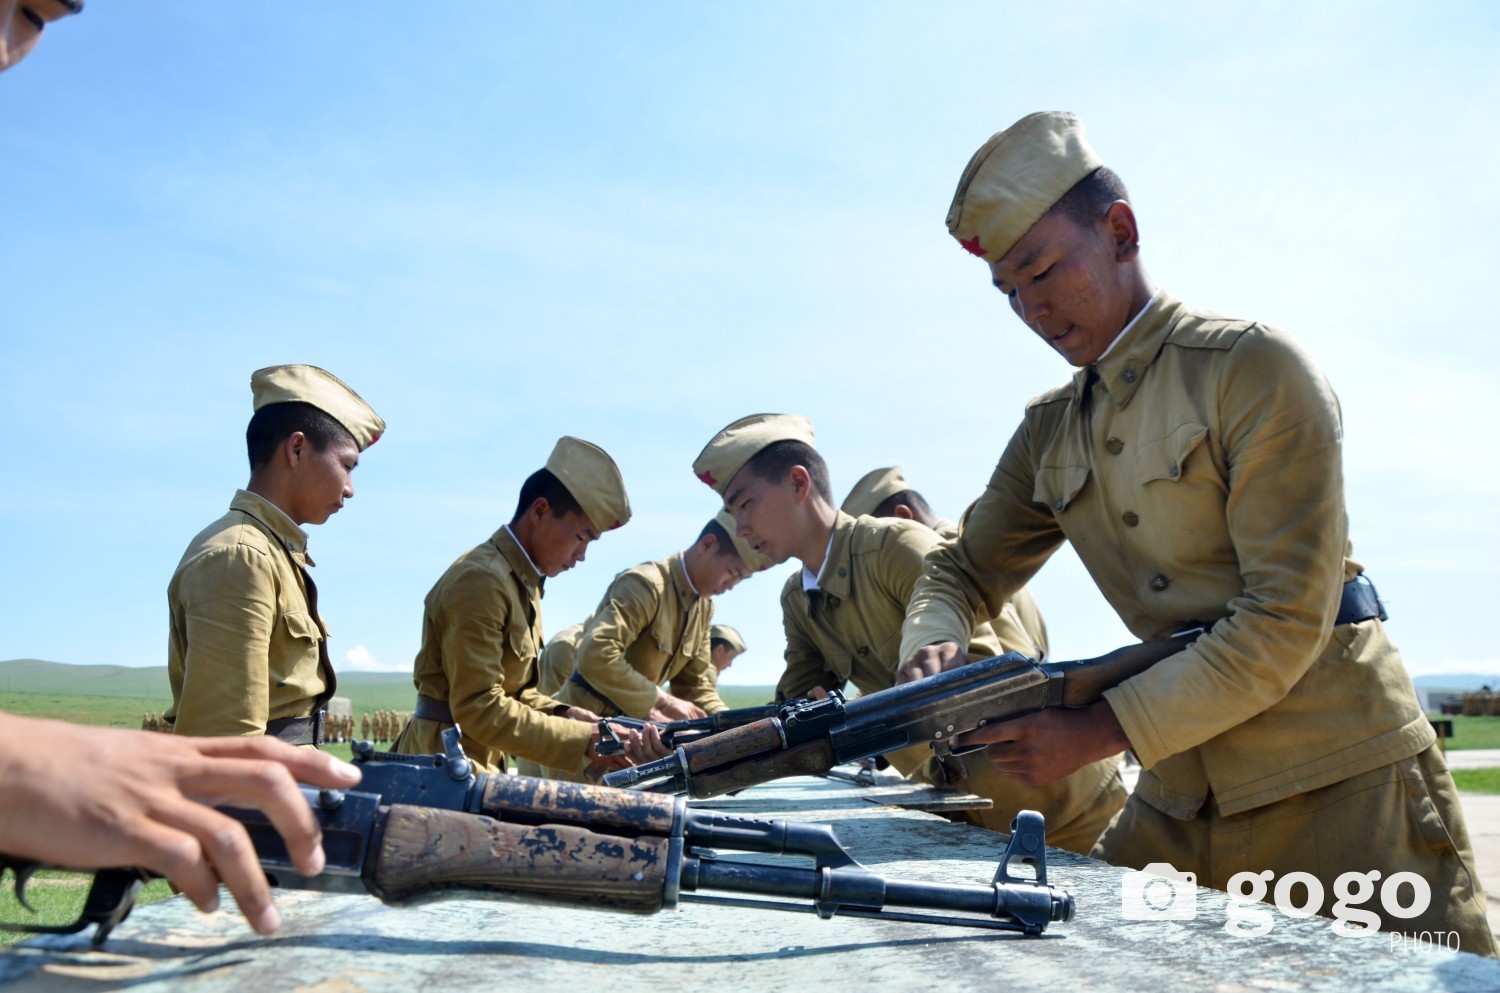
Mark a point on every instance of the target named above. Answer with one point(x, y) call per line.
point(904, 512)
point(801, 481)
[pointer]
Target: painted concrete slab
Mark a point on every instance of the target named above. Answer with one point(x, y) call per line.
point(338, 944)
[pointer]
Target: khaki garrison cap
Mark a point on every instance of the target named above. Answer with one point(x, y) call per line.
point(723, 632)
point(594, 480)
point(873, 489)
point(309, 384)
point(753, 560)
point(1015, 178)
point(741, 441)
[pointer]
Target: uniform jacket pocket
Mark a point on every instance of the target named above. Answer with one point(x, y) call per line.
point(300, 624)
point(1056, 486)
point(1167, 457)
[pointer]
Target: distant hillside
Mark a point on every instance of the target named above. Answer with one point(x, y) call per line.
point(1463, 682)
point(39, 676)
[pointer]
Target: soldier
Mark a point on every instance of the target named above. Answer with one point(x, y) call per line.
point(364, 726)
point(248, 651)
point(843, 612)
point(482, 625)
point(1194, 463)
point(886, 493)
point(725, 645)
point(652, 627)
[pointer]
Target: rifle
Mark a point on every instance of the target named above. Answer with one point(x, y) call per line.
point(674, 733)
point(808, 738)
point(425, 827)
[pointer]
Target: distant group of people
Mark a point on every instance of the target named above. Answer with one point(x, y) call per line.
point(1193, 462)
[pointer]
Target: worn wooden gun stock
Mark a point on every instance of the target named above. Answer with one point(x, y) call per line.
point(424, 827)
point(674, 733)
point(811, 737)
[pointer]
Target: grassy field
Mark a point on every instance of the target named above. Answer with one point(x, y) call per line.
point(1477, 780)
point(57, 898)
point(1473, 732)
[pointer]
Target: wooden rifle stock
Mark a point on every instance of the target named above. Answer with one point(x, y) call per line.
point(429, 851)
point(1085, 681)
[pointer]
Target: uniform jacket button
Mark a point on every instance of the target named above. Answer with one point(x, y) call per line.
point(1059, 504)
point(1159, 582)
point(1114, 446)
point(1131, 518)
point(1129, 376)
point(864, 649)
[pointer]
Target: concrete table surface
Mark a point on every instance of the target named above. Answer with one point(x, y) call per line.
point(340, 944)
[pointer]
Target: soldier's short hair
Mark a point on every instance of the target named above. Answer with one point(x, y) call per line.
point(911, 498)
point(1088, 199)
point(543, 485)
point(725, 543)
point(773, 462)
point(276, 422)
point(717, 643)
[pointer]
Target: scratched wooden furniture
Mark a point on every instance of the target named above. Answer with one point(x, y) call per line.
point(350, 943)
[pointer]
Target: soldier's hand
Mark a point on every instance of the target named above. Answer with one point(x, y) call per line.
point(677, 709)
point(581, 714)
point(600, 764)
point(932, 660)
point(816, 693)
point(92, 798)
point(1050, 744)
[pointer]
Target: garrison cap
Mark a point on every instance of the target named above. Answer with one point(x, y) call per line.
point(594, 480)
point(723, 632)
point(322, 389)
point(754, 561)
point(1015, 178)
point(741, 441)
point(873, 489)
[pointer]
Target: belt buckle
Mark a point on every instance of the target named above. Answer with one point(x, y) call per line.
point(317, 729)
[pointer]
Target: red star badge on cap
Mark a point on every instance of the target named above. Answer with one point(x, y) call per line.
point(708, 478)
point(972, 246)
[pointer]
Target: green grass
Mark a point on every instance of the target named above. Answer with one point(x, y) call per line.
point(1477, 780)
point(1472, 732)
point(57, 898)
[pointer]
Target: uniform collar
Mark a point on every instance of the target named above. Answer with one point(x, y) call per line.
point(274, 520)
point(518, 559)
point(1122, 368)
point(677, 568)
point(833, 578)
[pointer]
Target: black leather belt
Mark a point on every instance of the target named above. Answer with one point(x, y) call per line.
point(298, 730)
point(1360, 602)
point(578, 680)
point(429, 709)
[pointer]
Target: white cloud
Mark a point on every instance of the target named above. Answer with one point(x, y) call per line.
point(360, 659)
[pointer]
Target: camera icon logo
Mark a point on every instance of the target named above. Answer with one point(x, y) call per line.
point(1159, 893)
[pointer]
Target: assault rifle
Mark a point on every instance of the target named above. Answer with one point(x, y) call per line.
point(674, 733)
point(810, 737)
point(424, 827)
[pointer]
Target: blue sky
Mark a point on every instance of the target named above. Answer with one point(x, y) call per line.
point(634, 223)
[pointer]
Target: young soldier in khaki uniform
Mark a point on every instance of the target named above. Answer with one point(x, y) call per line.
point(482, 624)
point(248, 650)
point(652, 627)
point(724, 642)
point(886, 493)
point(843, 612)
point(1194, 463)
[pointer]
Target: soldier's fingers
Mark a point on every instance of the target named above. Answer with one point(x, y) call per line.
point(226, 846)
point(307, 765)
point(267, 786)
point(176, 856)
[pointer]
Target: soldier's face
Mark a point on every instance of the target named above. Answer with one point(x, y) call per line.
point(764, 513)
point(560, 541)
point(1067, 282)
point(723, 657)
point(719, 573)
point(324, 479)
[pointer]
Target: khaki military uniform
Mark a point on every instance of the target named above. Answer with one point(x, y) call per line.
point(651, 627)
point(1196, 470)
point(481, 628)
point(556, 662)
point(1019, 623)
point(849, 631)
point(247, 646)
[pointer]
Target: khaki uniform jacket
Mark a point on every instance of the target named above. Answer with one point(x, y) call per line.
point(481, 629)
point(247, 645)
point(556, 662)
point(849, 631)
point(1020, 621)
point(1197, 472)
point(651, 627)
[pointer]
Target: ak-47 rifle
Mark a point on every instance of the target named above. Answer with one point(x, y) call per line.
point(674, 733)
point(424, 827)
point(811, 737)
